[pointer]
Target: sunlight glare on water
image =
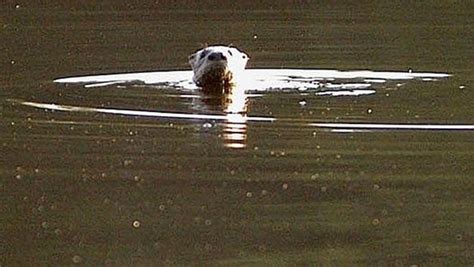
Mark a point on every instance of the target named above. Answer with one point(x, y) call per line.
point(264, 79)
point(235, 110)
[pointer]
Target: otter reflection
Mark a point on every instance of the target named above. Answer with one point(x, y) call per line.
point(233, 102)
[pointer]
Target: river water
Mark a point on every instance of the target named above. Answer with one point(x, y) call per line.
point(354, 147)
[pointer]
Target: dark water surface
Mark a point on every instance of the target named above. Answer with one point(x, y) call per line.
point(80, 186)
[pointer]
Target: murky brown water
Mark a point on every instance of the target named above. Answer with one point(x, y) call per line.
point(96, 188)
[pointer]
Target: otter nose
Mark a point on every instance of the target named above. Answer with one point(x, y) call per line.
point(216, 56)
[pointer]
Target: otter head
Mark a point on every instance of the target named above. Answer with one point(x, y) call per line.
point(216, 68)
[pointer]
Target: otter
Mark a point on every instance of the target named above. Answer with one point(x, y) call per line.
point(217, 68)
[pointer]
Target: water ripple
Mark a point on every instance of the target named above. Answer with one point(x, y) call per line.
point(242, 119)
point(327, 82)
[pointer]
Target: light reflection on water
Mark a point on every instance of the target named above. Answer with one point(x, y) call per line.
point(236, 122)
point(267, 79)
point(231, 109)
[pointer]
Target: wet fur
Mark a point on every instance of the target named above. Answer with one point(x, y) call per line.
point(217, 75)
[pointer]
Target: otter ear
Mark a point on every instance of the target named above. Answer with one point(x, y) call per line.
point(192, 58)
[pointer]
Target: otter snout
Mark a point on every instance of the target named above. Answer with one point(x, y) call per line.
point(216, 56)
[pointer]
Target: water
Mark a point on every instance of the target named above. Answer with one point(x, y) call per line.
point(338, 168)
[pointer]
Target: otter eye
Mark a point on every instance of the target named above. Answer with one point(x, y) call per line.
point(230, 53)
point(244, 56)
point(203, 54)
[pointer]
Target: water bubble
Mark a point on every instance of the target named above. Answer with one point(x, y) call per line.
point(18, 177)
point(376, 187)
point(136, 224)
point(127, 162)
point(249, 194)
point(315, 176)
point(462, 87)
point(369, 111)
point(459, 237)
point(375, 221)
point(208, 222)
point(207, 125)
point(162, 207)
point(12, 62)
point(255, 36)
point(302, 102)
point(17, 6)
point(284, 186)
point(76, 259)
